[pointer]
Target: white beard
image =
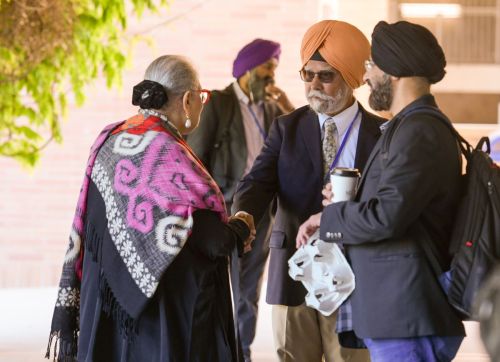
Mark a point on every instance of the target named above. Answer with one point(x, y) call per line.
point(322, 103)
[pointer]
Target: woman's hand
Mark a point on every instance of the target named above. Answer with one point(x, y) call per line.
point(248, 220)
point(307, 229)
point(327, 194)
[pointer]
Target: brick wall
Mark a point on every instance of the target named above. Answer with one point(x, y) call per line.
point(36, 206)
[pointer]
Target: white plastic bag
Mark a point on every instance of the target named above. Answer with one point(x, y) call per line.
point(325, 272)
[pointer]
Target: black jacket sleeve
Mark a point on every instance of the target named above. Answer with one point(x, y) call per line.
point(409, 182)
point(214, 238)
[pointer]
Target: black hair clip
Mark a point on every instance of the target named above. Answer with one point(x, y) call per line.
point(149, 94)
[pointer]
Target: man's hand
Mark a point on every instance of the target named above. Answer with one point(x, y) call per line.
point(276, 95)
point(248, 220)
point(307, 229)
point(327, 194)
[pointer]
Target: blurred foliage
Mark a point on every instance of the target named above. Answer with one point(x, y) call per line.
point(49, 51)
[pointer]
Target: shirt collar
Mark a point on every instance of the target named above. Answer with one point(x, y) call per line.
point(384, 126)
point(426, 99)
point(342, 120)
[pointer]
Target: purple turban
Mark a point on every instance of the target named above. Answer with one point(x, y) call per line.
point(254, 54)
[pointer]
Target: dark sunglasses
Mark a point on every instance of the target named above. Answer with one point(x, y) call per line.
point(324, 76)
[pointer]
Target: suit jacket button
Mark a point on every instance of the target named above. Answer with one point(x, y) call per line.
point(328, 235)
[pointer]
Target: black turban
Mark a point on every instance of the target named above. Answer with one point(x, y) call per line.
point(404, 49)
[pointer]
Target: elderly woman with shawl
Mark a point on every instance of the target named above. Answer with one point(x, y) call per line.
point(145, 275)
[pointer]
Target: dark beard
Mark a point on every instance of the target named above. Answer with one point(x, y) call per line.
point(381, 96)
point(257, 87)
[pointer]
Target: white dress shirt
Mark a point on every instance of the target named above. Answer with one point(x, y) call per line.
point(343, 121)
point(253, 136)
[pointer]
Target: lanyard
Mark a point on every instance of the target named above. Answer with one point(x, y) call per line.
point(256, 120)
point(342, 145)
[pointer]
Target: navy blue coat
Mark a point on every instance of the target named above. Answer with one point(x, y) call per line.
point(289, 168)
point(407, 196)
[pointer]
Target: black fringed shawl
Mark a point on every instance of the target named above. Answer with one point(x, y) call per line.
point(151, 183)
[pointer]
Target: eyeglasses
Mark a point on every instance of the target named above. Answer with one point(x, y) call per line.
point(369, 64)
point(324, 76)
point(204, 95)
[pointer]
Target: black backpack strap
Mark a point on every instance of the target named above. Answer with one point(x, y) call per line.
point(484, 141)
point(431, 252)
point(465, 147)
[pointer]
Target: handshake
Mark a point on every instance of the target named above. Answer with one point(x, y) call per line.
point(248, 220)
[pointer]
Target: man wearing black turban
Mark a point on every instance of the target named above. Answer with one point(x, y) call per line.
point(407, 196)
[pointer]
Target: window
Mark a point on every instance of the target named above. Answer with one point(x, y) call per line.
point(468, 30)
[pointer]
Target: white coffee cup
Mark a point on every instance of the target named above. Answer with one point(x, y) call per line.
point(344, 183)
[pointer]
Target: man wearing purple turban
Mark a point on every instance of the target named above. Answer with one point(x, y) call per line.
point(231, 132)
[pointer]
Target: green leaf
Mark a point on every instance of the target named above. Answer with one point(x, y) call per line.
point(29, 133)
point(88, 40)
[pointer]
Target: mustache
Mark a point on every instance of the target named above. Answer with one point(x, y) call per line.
point(268, 80)
point(319, 94)
point(261, 81)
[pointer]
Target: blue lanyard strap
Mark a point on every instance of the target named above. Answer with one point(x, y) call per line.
point(256, 120)
point(342, 145)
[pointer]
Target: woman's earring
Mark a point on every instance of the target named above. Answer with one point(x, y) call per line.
point(187, 124)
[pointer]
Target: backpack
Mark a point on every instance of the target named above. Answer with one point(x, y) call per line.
point(475, 237)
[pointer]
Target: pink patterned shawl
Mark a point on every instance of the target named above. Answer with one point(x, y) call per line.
point(151, 183)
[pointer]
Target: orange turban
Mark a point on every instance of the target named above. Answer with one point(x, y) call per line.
point(342, 45)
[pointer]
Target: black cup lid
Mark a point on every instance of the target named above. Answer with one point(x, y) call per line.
point(345, 171)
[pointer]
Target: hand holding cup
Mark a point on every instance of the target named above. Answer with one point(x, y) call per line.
point(327, 194)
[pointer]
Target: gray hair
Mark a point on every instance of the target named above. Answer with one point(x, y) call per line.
point(174, 72)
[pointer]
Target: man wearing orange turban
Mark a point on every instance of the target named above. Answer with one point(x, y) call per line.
point(341, 45)
point(401, 222)
point(302, 147)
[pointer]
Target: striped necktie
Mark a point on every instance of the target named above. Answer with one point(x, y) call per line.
point(329, 144)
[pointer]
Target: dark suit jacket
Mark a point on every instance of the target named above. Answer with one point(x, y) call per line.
point(290, 167)
point(407, 196)
point(219, 141)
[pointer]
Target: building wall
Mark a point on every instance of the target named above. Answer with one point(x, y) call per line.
point(36, 206)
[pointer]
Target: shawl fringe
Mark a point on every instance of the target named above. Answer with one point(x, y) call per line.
point(93, 242)
point(63, 350)
point(63, 339)
point(112, 308)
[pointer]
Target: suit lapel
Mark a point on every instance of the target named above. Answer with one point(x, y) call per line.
point(311, 135)
point(373, 155)
point(368, 144)
point(237, 130)
point(268, 116)
point(369, 133)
